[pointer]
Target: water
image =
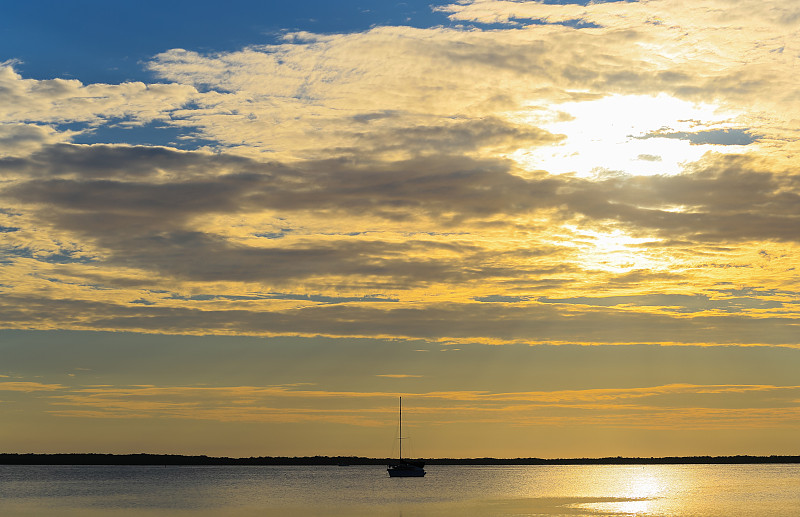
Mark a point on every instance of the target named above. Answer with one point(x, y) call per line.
point(649, 490)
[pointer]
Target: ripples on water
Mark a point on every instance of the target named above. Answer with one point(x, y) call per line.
point(587, 490)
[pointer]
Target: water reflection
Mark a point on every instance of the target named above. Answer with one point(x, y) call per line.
point(447, 491)
point(632, 507)
point(635, 490)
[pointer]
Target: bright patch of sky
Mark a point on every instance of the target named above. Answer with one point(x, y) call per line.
point(634, 134)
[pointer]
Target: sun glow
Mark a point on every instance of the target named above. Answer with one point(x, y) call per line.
point(611, 250)
point(631, 134)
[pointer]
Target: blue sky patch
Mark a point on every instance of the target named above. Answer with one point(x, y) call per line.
point(153, 133)
point(275, 235)
point(711, 136)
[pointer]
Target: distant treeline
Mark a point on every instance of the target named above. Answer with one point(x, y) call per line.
point(174, 459)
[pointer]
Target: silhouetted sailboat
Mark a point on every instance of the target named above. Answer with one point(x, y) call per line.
point(405, 468)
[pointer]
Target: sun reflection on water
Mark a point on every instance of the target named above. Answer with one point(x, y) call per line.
point(634, 490)
point(633, 507)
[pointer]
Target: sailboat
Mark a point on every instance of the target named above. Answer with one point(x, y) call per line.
point(405, 468)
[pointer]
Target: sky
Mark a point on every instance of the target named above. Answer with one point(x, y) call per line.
point(556, 229)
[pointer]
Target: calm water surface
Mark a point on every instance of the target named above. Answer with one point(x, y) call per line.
point(650, 490)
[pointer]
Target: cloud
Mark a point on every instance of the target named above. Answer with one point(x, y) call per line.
point(138, 204)
point(448, 138)
point(622, 14)
point(24, 139)
point(331, 172)
point(284, 296)
point(724, 198)
point(680, 302)
point(126, 217)
point(61, 101)
point(472, 322)
point(154, 192)
point(670, 43)
point(656, 407)
point(27, 386)
point(444, 87)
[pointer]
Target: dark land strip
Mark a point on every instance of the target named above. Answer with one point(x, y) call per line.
point(174, 459)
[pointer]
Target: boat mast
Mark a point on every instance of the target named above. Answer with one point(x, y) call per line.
point(401, 428)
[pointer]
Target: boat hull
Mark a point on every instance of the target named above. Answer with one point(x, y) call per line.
point(405, 471)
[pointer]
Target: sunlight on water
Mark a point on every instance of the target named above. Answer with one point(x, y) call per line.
point(447, 491)
point(641, 490)
point(629, 507)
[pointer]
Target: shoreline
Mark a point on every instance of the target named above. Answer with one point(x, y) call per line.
point(176, 459)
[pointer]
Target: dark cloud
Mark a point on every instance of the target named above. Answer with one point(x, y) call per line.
point(86, 162)
point(14, 137)
point(499, 298)
point(283, 296)
point(166, 184)
point(376, 115)
point(755, 291)
point(457, 136)
point(472, 321)
point(723, 198)
point(137, 204)
point(678, 302)
point(200, 256)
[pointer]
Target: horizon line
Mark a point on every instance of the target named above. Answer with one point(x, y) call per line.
point(82, 458)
